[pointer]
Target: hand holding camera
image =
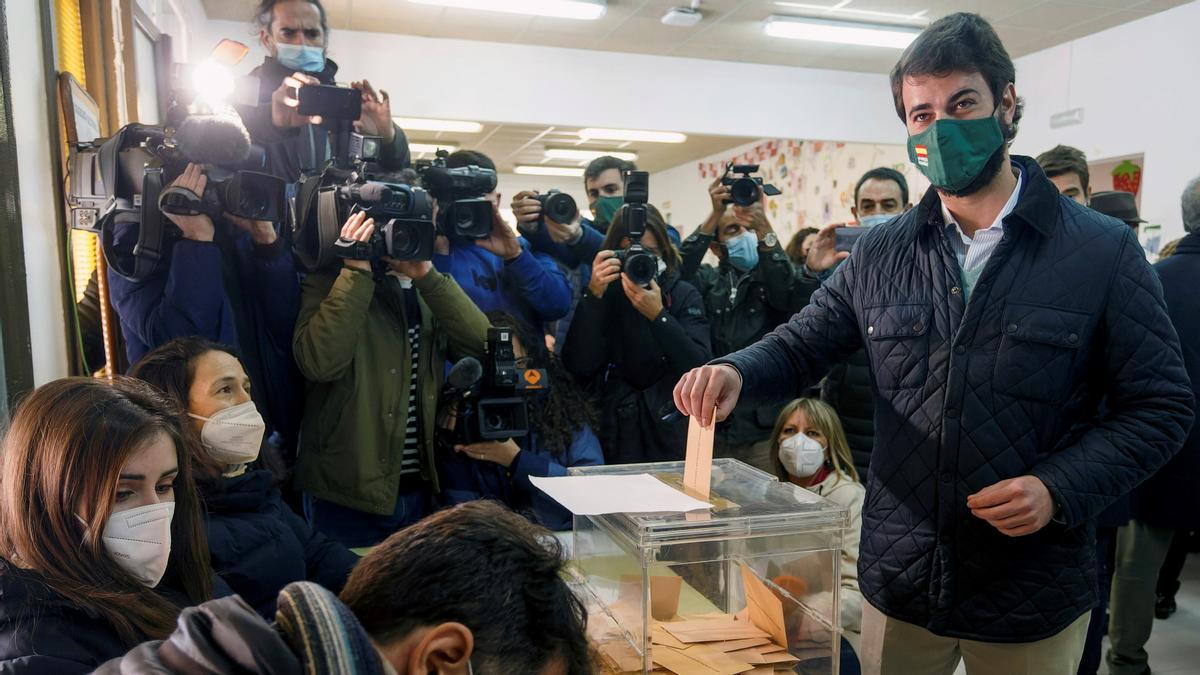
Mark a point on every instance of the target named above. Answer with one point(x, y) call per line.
point(195, 227)
point(358, 228)
point(557, 210)
point(497, 452)
point(823, 254)
point(502, 241)
point(262, 232)
point(285, 102)
point(718, 192)
point(413, 269)
point(646, 300)
point(605, 270)
point(376, 117)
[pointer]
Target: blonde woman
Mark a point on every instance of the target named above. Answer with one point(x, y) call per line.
point(810, 450)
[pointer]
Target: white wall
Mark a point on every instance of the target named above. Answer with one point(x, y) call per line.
point(39, 222)
point(1137, 86)
point(462, 79)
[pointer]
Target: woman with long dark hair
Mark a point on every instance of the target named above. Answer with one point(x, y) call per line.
point(631, 344)
point(258, 544)
point(102, 537)
point(561, 419)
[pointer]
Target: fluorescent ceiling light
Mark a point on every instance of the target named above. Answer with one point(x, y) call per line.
point(430, 148)
point(588, 155)
point(535, 170)
point(841, 32)
point(420, 124)
point(632, 135)
point(561, 9)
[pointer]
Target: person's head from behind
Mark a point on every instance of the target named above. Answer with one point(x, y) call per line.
point(807, 436)
point(880, 195)
point(1190, 204)
point(655, 240)
point(475, 588)
point(1067, 168)
point(954, 89)
point(797, 248)
point(604, 182)
point(294, 32)
point(96, 498)
point(207, 382)
point(463, 158)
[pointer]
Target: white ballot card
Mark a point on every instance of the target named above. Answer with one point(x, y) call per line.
point(631, 493)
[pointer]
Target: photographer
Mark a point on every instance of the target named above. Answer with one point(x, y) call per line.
point(562, 421)
point(295, 35)
point(631, 343)
point(753, 289)
point(230, 280)
point(373, 346)
point(501, 272)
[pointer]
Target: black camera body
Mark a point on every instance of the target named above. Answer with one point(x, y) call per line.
point(463, 210)
point(746, 189)
point(248, 194)
point(496, 407)
point(557, 206)
point(640, 265)
point(403, 217)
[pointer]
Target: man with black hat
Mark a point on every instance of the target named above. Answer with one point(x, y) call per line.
point(1119, 205)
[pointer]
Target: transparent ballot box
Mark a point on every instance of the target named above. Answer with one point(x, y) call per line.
point(749, 587)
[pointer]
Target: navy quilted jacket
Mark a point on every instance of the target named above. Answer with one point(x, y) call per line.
point(1067, 312)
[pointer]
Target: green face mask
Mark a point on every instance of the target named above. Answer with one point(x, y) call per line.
point(952, 153)
point(605, 208)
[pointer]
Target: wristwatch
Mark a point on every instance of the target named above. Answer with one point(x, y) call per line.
point(771, 240)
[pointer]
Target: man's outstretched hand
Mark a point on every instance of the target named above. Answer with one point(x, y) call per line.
point(707, 388)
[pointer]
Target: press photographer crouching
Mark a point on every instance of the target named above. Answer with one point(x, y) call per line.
point(189, 230)
point(376, 326)
point(638, 326)
point(753, 289)
point(296, 36)
point(485, 256)
point(543, 425)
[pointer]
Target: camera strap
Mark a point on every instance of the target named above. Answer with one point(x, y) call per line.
point(149, 248)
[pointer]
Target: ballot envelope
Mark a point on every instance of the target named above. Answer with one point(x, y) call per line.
point(748, 586)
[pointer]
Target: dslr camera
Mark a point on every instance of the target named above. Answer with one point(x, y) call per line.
point(463, 209)
point(492, 399)
point(125, 180)
point(745, 189)
point(640, 265)
point(557, 206)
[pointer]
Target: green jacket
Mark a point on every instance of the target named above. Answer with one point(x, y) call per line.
point(351, 345)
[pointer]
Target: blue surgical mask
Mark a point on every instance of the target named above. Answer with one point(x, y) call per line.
point(878, 219)
point(300, 57)
point(743, 251)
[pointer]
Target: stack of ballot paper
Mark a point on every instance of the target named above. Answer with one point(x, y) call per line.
point(752, 641)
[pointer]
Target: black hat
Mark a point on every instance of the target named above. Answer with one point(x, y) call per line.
point(1119, 205)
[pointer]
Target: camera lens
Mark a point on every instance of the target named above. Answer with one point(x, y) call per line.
point(559, 207)
point(471, 218)
point(252, 202)
point(641, 268)
point(495, 422)
point(744, 191)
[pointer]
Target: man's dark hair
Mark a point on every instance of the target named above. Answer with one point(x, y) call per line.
point(962, 42)
point(883, 173)
point(601, 164)
point(264, 14)
point(463, 158)
point(1063, 159)
point(485, 567)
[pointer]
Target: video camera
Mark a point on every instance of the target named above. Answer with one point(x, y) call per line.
point(491, 399)
point(125, 180)
point(640, 265)
point(463, 210)
point(746, 190)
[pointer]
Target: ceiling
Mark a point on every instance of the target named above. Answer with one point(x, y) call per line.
point(511, 144)
point(731, 29)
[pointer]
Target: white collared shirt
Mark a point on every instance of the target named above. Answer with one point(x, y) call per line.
point(974, 252)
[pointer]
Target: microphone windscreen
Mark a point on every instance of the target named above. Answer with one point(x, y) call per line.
point(465, 373)
point(219, 140)
point(374, 192)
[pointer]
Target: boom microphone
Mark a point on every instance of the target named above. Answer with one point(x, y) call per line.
point(465, 373)
point(218, 140)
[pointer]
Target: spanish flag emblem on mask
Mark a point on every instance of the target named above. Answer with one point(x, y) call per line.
point(922, 155)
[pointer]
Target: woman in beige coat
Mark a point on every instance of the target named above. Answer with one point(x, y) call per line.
point(810, 450)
